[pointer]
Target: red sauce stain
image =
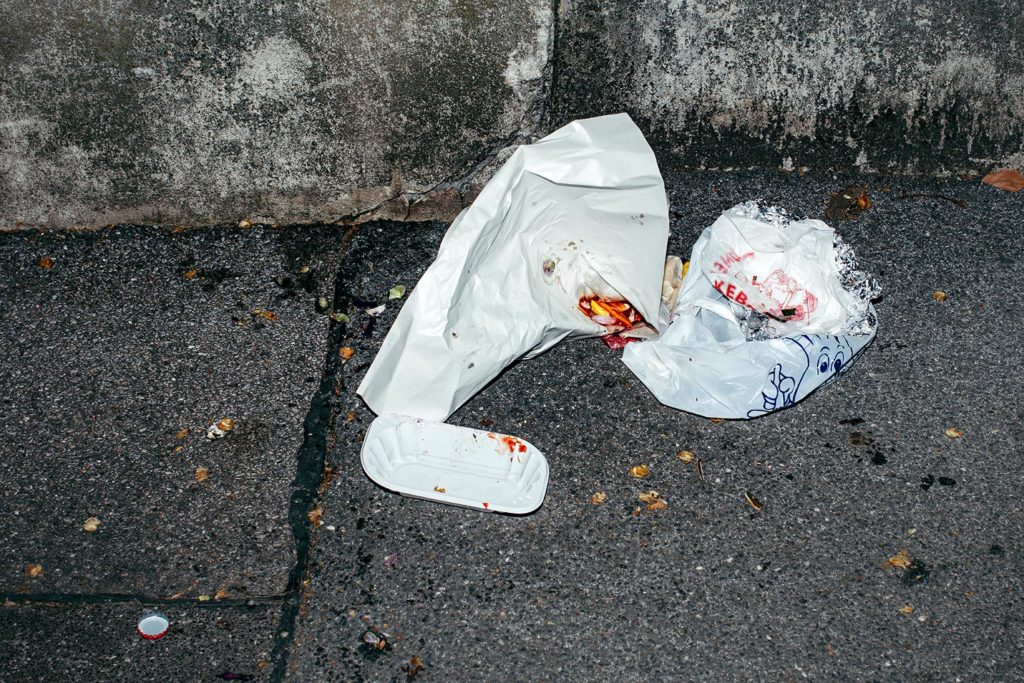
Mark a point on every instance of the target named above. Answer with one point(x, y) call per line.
point(487, 506)
point(513, 444)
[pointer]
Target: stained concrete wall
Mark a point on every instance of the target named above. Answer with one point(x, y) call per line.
point(188, 111)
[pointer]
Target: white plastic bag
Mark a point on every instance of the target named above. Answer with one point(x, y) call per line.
point(568, 225)
point(705, 364)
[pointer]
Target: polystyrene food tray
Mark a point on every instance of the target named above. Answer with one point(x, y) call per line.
point(455, 465)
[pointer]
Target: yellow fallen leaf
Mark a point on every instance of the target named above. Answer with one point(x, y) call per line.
point(686, 456)
point(657, 505)
point(598, 498)
point(954, 433)
point(900, 560)
point(178, 449)
point(939, 295)
point(648, 497)
point(906, 609)
point(1007, 179)
point(189, 274)
point(439, 489)
point(203, 598)
point(316, 516)
point(91, 524)
point(226, 424)
point(639, 471)
point(181, 434)
point(244, 224)
point(34, 570)
point(346, 352)
point(202, 473)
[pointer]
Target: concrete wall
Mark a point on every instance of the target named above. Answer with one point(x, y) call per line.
point(189, 111)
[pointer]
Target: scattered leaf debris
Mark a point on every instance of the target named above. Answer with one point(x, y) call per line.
point(639, 471)
point(346, 352)
point(906, 609)
point(340, 318)
point(34, 570)
point(954, 433)
point(599, 498)
point(752, 501)
point(396, 292)
point(439, 489)
point(657, 505)
point(350, 416)
point(376, 310)
point(265, 314)
point(1008, 179)
point(376, 639)
point(181, 433)
point(220, 594)
point(322, 304)
point(46, 263)
point(244, 223)
point(220, 428)
point(716, 420)
point(203, 598)
point(91, 525)
point(413, 668)
point(939, 295)
point(316, 516)
point(900, 560)
point(686, 456)
point(190, 274)
point(847, 204)
point(699, 466)
point(202, 473)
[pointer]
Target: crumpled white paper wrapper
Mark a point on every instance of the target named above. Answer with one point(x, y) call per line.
point(582, 211)
point(705, 363)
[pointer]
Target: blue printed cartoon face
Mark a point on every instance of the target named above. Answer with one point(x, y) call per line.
point(834, 356)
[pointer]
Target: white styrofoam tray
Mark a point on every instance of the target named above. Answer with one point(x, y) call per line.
point(455, 465)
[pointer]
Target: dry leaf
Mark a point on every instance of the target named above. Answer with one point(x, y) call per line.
point(657, 505)
point(954, 433)
point(350, 416)
point(34, 570)
point(439, 489)
point(178, 449)
point(202, 473)
point(413, 668)
point(266, 315)
point(1006, 179)
point(686, 456)
point(716, 420)
point(244, 224)
point(648, 497)
point(91, 524)
point(46, 263)
point(939, 295)
point(396, 292)
point(181, 434)
point(699, 466)
point(220, 594)
point(226, 424)
point(203, 598)
point(639, 471)
point(906, 609)
point(304, 269)
point(900, 560)
point(316, 515)
point(753, 501)
point(189, 274)
point(346, 352)
point(598, 498)
point(261, 665)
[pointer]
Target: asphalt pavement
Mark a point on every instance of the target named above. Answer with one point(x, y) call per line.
point(133, 334)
